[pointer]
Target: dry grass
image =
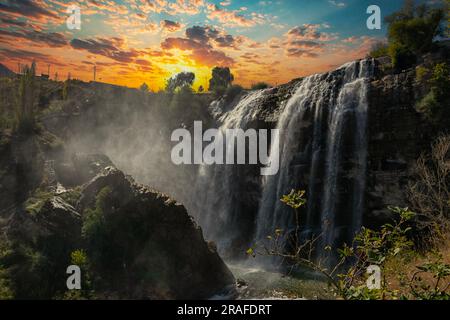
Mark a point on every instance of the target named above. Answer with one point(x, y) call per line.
point(400, 271)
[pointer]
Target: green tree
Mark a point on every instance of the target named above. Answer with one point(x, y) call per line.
point(411, 32)
point(180, 81)
point(221, 79)
point(436, 103)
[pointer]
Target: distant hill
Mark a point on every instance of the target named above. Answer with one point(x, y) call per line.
point(5, 72)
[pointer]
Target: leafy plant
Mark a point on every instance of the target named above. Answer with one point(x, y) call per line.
point(369, 248)
point(435, 104)
point(411, 32)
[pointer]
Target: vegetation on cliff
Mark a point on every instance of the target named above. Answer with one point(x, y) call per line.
point(411, 33)
point(411, 252)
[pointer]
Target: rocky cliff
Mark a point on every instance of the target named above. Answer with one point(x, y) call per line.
point(137, 243)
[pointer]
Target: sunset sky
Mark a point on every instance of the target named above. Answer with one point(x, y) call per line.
point(138, 41)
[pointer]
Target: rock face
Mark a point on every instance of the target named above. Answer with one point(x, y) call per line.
point(397, 136)
point(140, 244)
point(151, 247)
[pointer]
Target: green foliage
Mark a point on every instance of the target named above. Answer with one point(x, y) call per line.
point(260, 86)
point(411, 32)
point(80, 259)
point(180, 81)
point(221, 79)
point(417, 31)
point(379, 50)
point(435, 104)
point(423, 290)
point(71, 196)
point(369, 248)
point(94, 223)
point(295, 199)
point(422, 73)
point(5, 290)
point(374, 248)
point(402, 57)
point(35, 202)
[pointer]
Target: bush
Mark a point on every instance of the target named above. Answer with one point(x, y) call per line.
point(369, 248)
point(260, 86)
point(379, 50)
point(436, 103)
point(415, 27)
point(402, 57)
point(411, 32)
point(422, 73)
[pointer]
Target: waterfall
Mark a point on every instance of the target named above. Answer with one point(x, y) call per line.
point(322, 130)
point(322, 147)
point(217, 202)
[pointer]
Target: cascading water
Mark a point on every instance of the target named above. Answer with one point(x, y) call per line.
point(217, 201)
point(322, 147)
point(323, 124)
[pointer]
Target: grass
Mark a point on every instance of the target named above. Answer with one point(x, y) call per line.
point(35, 203)
point(399, 272)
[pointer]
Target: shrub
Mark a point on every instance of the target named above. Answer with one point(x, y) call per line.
point(369, 248)
point(260, 86)
point(402, 57)
point(435, 104)
point(411, 32)
point(379, 50)
point(422, 73)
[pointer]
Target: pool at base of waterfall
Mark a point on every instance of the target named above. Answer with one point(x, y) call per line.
point(258, 283)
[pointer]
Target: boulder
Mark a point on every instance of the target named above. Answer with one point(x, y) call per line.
point(149, 248)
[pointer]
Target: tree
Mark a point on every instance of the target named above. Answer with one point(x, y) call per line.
point(221, 79)
point(429, 192)
point(411, 32)
point(144, 88)
point(26, 97)
point(180, 81)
